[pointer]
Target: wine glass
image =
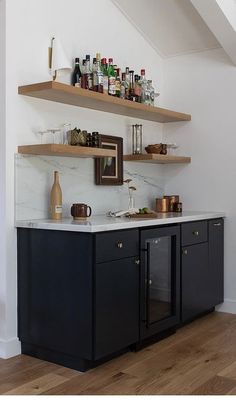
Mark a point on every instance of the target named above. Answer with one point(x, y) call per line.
point(54, 132)
point(42, 133)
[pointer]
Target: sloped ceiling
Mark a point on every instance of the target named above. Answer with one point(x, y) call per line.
point(172, 27)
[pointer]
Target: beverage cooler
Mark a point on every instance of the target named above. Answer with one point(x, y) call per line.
point(160, 280)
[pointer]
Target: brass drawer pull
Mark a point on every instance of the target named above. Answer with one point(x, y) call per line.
point(119, 245)
point(217, 224)
point(137, 261)
point(196, 233)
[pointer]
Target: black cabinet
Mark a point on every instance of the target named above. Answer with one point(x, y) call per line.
point(72, 310)
point(55, 288)
point(216, 260)
point(195, 281)
point(116, 306)
point(202, 268)
point(83, 297)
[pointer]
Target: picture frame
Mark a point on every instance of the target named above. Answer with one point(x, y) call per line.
point(109, 170)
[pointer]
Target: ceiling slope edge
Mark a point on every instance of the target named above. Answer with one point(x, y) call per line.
point(147, 39)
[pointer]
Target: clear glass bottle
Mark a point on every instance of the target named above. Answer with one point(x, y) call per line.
point(127, 83)
point(143, 83)
point(152, 92)
point(89, 73)
point(148, 93)
point(99, 73)
point(122, 87)
point(137, 88)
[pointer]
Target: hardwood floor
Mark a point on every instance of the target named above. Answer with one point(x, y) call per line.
point(199, 359)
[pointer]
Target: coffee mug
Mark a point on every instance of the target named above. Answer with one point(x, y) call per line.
point(80, 211)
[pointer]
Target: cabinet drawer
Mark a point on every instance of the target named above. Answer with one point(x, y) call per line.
point(116, 245)
point(193, 233)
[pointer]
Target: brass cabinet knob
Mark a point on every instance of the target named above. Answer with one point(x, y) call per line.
point(120, 245)
point(196, 233)
point(150, 282)
point(137, 261)
point(185, 252)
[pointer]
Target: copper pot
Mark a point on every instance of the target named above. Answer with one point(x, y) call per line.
point(162, 205)
point(173, 199)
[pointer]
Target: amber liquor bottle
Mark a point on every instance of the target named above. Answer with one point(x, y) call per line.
point(56, 199)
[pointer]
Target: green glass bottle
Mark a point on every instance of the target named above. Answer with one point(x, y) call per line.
point(111, 78)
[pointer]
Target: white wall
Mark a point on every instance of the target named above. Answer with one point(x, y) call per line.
point(204, 85)
point(82, 28)
point(2, 165)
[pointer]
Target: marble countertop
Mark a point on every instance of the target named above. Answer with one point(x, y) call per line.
point(99, 223)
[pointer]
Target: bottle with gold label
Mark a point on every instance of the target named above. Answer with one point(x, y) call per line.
point(56, 199)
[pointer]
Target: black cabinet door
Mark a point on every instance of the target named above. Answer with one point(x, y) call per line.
point(216, 260)
point(196, 283)
point(116, 306)
point(55, 290)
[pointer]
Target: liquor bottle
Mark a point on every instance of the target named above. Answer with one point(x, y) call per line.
point(99, 73)
point(148, 93)
point(111, 78)
point(122, 87)
point(89, 74)
point(56, 199)
point(83, 80)
point(137, 89)
point(152, 93)
point(143, 83)
point(127, 83)
point(131, 88)
point(95, 75)
point(105, 76)
point(76, 75)
point(118, 82)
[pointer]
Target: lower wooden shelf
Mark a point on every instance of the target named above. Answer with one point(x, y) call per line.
point(157, 158)
point(65, 150)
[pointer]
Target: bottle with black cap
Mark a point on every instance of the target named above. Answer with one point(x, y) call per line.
point(76, 75)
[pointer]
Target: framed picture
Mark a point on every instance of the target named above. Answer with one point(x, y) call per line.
point(109, 170)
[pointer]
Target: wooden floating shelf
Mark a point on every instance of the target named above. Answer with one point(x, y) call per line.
point(65, 150)
point(157, 158)
point(64, 93)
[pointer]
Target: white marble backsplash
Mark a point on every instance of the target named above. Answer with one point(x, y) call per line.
point(34, 178)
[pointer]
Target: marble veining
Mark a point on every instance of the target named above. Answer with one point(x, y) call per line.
point(34, 177)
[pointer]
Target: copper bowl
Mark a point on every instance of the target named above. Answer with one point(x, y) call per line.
point(156, 148)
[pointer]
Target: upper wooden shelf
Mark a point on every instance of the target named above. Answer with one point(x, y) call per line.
point(64, 93)
point(157, 158)
point(65, 150)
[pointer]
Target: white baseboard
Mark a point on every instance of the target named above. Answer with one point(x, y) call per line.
point(228, 306)
point(9, 348)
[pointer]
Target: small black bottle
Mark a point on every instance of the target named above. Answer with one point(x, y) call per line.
point(76, 76)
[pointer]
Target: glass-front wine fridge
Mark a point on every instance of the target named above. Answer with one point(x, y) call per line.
point(160, 282)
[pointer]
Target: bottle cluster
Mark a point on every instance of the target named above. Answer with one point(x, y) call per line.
point(105, 77)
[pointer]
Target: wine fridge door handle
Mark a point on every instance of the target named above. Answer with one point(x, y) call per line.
point(148, 287)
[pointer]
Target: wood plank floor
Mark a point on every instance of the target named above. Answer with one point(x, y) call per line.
point(199, 359)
